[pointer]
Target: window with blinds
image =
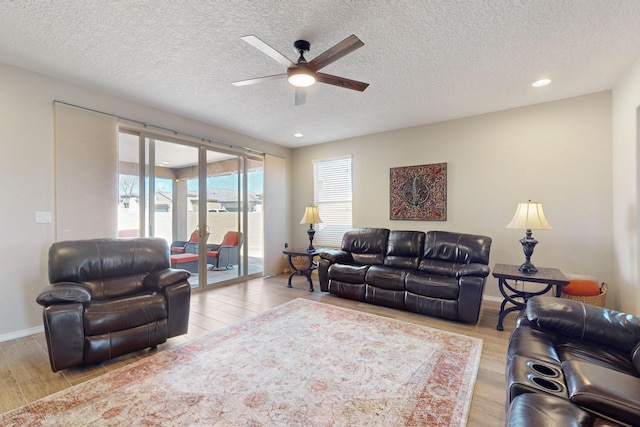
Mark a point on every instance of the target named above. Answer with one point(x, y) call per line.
point(332, 196)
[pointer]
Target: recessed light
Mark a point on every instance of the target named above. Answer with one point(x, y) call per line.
point(298, 135)
point(541, 82)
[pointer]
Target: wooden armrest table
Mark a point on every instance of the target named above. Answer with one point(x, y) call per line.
point(518, 298)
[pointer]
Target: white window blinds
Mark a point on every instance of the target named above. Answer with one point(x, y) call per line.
point(332, 195)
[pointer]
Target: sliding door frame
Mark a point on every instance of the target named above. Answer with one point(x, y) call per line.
point(146, 222)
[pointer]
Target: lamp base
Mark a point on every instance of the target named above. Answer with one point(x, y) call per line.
point(311, 232)
point(528, 268)
point(528, 244)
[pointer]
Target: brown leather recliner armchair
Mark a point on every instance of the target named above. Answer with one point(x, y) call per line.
point(110, 297)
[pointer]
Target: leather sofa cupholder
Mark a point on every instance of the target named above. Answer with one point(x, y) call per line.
point(544, 370)
point(546, 384)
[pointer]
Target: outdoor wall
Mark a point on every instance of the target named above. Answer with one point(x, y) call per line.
point(626, 138)
point(27, 184)
point(557, 153)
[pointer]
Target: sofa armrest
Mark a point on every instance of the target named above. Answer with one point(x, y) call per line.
point(470, 298)
point(603, 390)
point(227, 255)
point(178, 243)
point(191, 247)
point(474, 270)
point(178, 308)
point(63, 293)
point(584, 321)
point(336, 256)
point(159, 280)
point(64, 332)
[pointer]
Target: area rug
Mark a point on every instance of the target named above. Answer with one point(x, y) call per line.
point(303, 363)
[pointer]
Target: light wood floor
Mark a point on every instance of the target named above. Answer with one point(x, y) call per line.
point(25, 375)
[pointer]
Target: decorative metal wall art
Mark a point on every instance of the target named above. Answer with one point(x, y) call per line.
point(419, 192)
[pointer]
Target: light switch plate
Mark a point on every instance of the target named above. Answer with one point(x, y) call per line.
point(43, 217)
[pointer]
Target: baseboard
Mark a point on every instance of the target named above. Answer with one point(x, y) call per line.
point(21, 334)
point(492, 299)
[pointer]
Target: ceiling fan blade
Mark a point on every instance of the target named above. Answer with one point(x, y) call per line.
point(341, 82)
point(341, 49)
point(267, 50)
point(259, 80)
point(301, 95)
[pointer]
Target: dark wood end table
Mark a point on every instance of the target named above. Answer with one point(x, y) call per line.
point(518, 298)
point(308, 269)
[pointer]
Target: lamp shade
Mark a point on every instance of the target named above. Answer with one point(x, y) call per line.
point(529, 215)
point(310, 216)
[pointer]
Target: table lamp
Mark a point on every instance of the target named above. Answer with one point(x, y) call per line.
point(529, 216)
point(311, 217)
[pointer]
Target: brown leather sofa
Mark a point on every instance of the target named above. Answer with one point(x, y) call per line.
point(437, 273)
point(573, 364)
point(111, 297)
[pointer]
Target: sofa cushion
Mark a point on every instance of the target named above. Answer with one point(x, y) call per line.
point(386, 297)
point(446, 309)
point(386, 278)
point(348, 273)
point(366, 245)
point(541, 409)
point(88, 260)
point(113, 344)
point(114, 287)
point(457, 247)
point(124, 313)
point(231, 238)
point(404, 249)
point(355, 291)
point(183, 258)
point(432, 285)
point(579, 287)
point(588, 351)
point(604, 391)
point(439, 267)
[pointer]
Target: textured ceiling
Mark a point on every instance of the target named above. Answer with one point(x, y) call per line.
point(426, 61)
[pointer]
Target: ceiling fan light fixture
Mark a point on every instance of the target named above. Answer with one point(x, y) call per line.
point(301, 77)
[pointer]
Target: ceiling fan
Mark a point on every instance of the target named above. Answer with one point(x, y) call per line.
point(302, 73)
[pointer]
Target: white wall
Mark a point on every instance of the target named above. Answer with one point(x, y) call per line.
point(625, 140)
point(558, 153)
point(26, 140)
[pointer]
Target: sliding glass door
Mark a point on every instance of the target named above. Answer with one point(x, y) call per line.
point(206, 203)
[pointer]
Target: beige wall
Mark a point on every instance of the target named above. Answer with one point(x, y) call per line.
point(27, 184)
point(626, 137)
point(558, 153)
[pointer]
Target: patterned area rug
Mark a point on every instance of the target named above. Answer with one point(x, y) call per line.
point(303, 363)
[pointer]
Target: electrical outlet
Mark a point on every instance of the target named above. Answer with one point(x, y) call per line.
point(43, 217)
point(286, 245)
